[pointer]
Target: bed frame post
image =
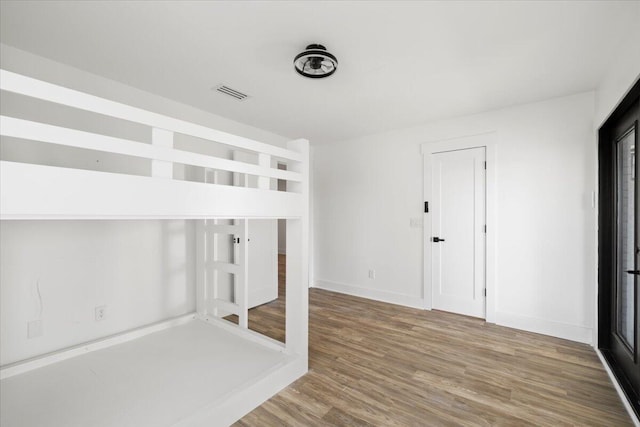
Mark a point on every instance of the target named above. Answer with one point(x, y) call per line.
point(201, 267)
point(161, 138)
point(297, 278)
point(264, 160)
point(242, 278)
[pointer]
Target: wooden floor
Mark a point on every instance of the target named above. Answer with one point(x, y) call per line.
point(378, 364)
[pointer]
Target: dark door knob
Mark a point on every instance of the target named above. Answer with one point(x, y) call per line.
point(437, 239)
point(636, 272)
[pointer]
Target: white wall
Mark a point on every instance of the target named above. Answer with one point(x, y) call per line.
point(59, 271)
point(366, 191)
point(623, 72)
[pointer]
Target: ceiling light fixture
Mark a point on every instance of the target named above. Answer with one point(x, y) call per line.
point(315, 62)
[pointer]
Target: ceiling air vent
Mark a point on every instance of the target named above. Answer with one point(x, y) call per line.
point(231, 92)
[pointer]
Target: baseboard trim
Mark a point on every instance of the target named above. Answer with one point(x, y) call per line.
point(623, 396)
point(531, 324)
point(546, 327)
point(374, 294)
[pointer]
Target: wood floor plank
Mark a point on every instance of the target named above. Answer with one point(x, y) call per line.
point(337, 417)
point(379, 364)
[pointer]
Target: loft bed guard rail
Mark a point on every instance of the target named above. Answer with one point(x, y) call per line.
point(216, 395)
point(54, 192)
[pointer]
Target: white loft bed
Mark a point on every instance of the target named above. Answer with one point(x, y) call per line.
point(193, 370)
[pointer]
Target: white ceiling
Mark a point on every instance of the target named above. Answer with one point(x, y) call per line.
point(400, 63)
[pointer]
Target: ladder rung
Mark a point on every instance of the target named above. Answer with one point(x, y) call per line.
point(224, 229)
point(226, 306)
point(226, 267)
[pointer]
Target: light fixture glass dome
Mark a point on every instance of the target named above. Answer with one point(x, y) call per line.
point(315, 62)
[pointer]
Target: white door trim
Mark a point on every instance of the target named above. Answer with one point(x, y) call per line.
point(487, 140)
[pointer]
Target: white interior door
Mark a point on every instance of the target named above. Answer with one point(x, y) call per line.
point(458, 231)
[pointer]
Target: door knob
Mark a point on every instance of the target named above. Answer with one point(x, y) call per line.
point(437, 239)
point(636, 272)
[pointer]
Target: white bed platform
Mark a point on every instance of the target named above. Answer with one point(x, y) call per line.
point(186, 375)
point(189, 371)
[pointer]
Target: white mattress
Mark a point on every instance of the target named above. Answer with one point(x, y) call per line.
point(157, 380)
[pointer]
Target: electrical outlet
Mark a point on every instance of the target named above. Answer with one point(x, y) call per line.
point(34, 329)
point(101, 312)
point(372, 274)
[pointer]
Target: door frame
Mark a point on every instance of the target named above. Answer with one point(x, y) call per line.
point(606, 250)
point(428, 149)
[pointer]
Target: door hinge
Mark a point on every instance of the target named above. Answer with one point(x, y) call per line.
point(485, 228)
point(426, 207)
point(485, 165)
point(485, 292)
